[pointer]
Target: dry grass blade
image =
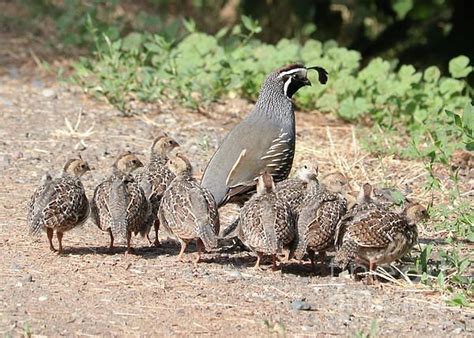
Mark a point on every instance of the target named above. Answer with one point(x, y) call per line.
point(73, 131)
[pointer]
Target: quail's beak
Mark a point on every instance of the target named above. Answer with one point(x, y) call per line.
point(306, 82)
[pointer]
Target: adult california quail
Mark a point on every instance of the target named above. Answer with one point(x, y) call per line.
point(60, 204)
point(187, 210)
point(267, 223)
point(318, 216)
point(371, 234)
point(263, 141)
point(119, 205)
point(155, 177)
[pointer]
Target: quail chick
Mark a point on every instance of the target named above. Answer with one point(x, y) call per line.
point(119, 205)
point(187, 210)
point(60, 204)
point(263, 141)
point(295, 190)
point(371, 234)
point(155, 177)
point(267, 223)
point(319, 214)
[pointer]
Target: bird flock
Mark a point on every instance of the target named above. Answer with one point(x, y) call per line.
point(286, 218)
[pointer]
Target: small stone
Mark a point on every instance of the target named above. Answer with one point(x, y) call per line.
point(235, 275)
point(43, 298)
point(48, 93)
point(27, 279)
point(300, 305)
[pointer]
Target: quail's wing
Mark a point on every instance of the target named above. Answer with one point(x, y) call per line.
point(66, 203)
point(137, 208)
point(200, 213)
point(100, 212)
point(375, 227)
point(250, 148)
point(38, 202)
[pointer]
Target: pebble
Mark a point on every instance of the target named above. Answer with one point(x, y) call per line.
point(48, 93)
point(235, 275)
point(43, 298)
point(300, 305)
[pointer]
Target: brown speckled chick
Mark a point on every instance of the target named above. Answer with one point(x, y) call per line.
point(155, 178)
point(119, 205)
point(267, 223)
point(319, 215)
point(187, 210)
point(295, 190)
point(60, 204)
point(371, 234)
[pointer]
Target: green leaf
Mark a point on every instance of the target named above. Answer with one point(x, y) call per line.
point(353, 108)
point(250, 24)
point(402, 7)
point(432, 74)
point(450, 86)
point(397, 197)
point(132, 41)
point(441, 280)
point(459, 67)
point(459, 300)
point(468, 117)
point(408, 74)
point(189, 25)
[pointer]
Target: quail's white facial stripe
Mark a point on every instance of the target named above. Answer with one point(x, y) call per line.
point(287, 83)
point(303, 72)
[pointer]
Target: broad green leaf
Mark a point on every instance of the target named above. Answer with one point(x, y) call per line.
point(459, 67)
point(351, 108)
point(468, 117)
point(420, 115)
point(450, 86)
point(408, 74)
point(132, 41)
point(402, 7)
point(458, 300)
point(327, 102)
point(432, 74)
point(311, 51)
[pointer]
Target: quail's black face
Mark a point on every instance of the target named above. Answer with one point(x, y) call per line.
point(294, 79)
point(295, 76)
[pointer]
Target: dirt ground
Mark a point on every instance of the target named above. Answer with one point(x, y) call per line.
point(88, 291)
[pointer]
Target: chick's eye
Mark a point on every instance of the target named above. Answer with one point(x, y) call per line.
point(306, 167)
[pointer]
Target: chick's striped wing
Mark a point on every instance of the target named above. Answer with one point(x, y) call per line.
point(67, 205)
point(375, 228)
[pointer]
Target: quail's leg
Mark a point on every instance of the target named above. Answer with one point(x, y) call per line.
point(370, 277)
point(157, 227)
point(322, 260)
point(184, 244)
point(59, 234)
point(50, 233)
point(200, 250)
point(111, 246)
point(257, 264)
point(129, 240)
point(274, 263)
point(312, 259)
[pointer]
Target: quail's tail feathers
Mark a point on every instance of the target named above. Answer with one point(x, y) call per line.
point(118, 202)
point(204, 228)
point(40, 200)
point(268, 220)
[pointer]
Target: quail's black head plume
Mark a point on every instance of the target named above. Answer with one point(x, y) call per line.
point(264, 141)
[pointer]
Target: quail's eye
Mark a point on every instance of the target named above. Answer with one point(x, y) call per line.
point(305, 166)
